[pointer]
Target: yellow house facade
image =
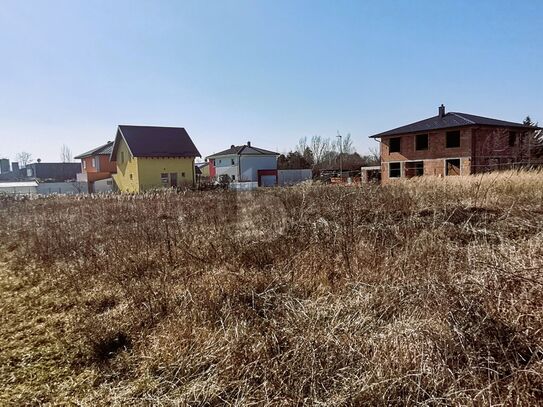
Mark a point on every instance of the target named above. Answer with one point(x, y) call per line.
point(153, 157)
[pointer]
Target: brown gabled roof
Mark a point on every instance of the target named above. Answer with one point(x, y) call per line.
point(246, 149)
point(450, 120)
point(153, 141)
point(104, 149)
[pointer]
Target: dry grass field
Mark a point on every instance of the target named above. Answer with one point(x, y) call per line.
point(422, 292)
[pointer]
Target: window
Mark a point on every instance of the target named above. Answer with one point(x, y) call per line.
point(452, 167)
point(512, 138)
point(394, 145)
point(233, 177)
point(183, 175)
point(164, 179)
point(130, 176)
point(453, 139)
point(232, 161)
point(421, 142)
point(220, 161)
point(414, 169)
point(109, 182)
point(394, 170)
point(84, 163)
point(122, 157)
point(94, 162)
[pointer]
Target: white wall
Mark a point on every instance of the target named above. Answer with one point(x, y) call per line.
point(19, 190)
point(250, 164)
point(46, 188)
point(103, 185)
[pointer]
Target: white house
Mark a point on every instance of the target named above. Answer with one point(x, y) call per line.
point(245, 163)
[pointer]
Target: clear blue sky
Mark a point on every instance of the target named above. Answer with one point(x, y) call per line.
point(270, 72)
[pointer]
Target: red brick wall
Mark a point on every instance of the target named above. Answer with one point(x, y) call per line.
point(106, 168)
point(433, 157)
point(491, 149)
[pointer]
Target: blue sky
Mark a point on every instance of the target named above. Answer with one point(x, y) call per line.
point(266, 71)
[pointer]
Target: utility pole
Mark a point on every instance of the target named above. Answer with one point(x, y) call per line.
point(340, 156)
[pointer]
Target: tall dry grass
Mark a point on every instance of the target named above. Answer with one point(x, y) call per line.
point(419, 292)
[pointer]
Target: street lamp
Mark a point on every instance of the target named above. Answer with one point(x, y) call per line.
point(340, 156)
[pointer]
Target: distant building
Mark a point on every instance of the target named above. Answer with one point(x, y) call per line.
point(203, 168)
point(57, 172)
point(4, 165)
point(245, 163)
point(96, 166)
point(151, 157)
point(453, 144)
point(49, 172)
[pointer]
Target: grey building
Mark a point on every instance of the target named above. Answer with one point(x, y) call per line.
point(4, 165)
point(245, 163)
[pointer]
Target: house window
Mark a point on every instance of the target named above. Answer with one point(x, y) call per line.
point(220, 161)
point(395, 170)
point(84, 164)
point(232, 161)
point(94, 162)
point(453, 139)
point(109, 182)
point(394, 145)
point(164, 179)
point(421, 142)
point(233, 177)
point(512, 138)
point(122, 157)
point(131, 176)
point(452, 167)
point(182, 175)
point(414, 169)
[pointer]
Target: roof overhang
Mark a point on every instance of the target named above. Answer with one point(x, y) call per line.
point(406, 133)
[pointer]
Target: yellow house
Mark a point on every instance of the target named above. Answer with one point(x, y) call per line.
point(153, 157)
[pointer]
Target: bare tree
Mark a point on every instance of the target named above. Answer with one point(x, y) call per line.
point(346, 144)
point(302, 145)
point(23, 158)
point(65, 154)
point(320, 147)
point(375, 155)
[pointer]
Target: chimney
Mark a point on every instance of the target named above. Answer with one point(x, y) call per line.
point(232, 146)
point(441, 110)
point(14, 167)
point(248, 144)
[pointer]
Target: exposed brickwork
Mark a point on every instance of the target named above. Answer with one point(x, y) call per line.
point(480, 149)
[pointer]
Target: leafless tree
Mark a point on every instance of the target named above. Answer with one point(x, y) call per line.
point(302, 145)
point(320, 147)
point(346, 144)
point(375, 154)
point(65, 154)
point(23, 158)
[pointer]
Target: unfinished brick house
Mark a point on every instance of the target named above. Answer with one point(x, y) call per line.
point(453, 144)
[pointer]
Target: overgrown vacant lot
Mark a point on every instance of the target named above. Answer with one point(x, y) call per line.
point(428, 292)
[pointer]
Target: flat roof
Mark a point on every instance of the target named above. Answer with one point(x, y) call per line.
point(18, 184)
